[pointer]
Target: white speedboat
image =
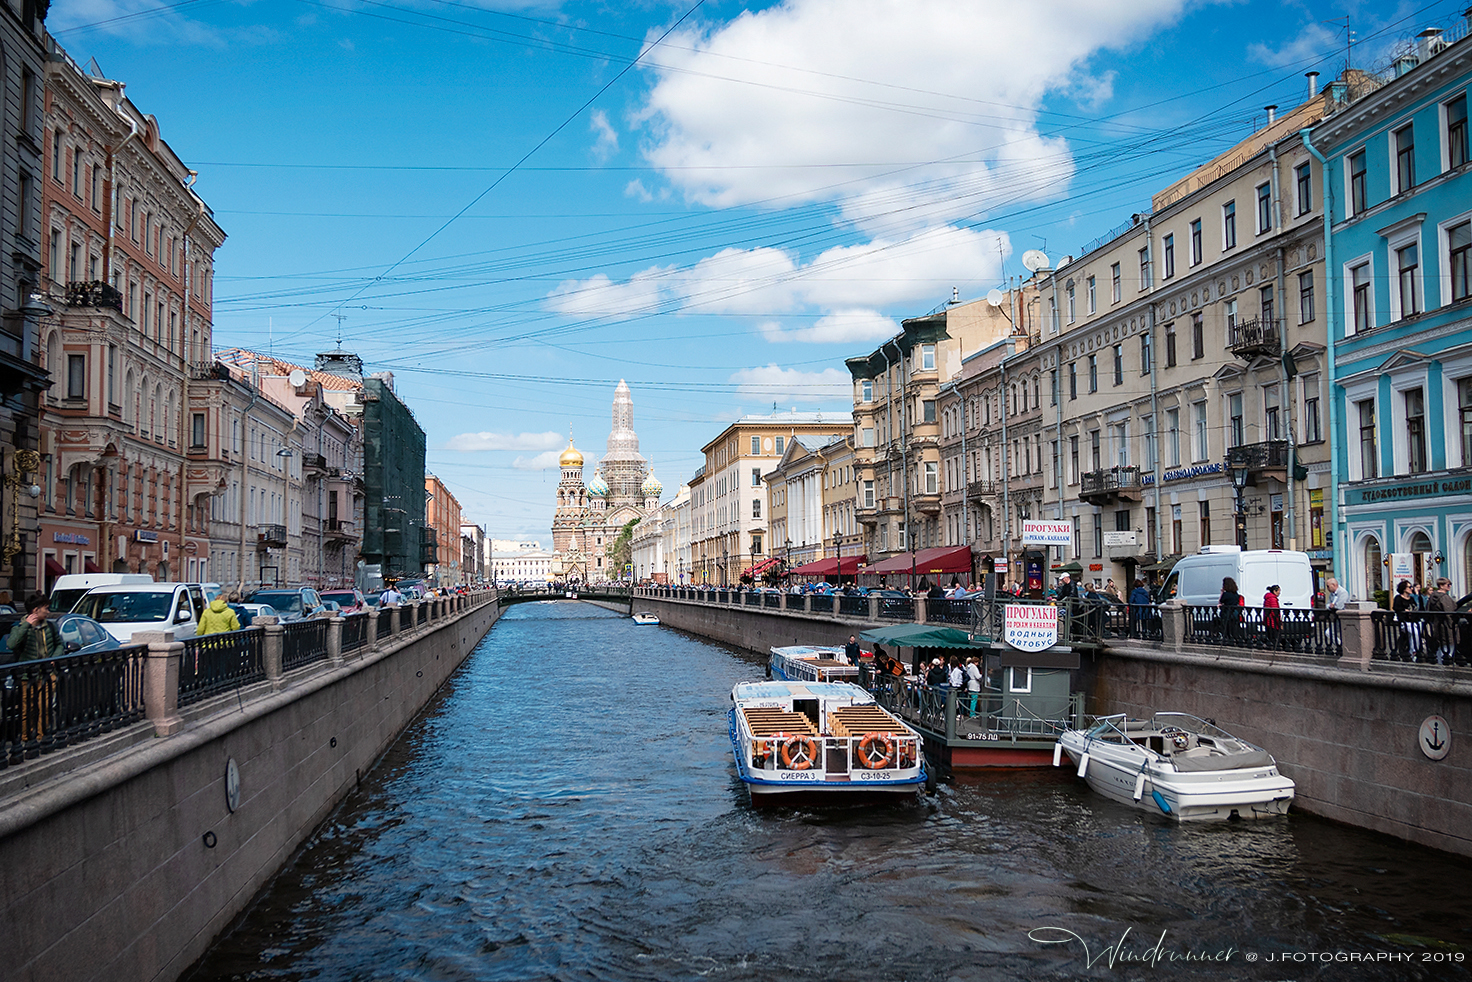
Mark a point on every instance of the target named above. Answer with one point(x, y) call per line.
point(821, 743)
point(646, 617)
point(807, 663)
point(1186, 768)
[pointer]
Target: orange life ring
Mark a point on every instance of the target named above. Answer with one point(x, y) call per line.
point(876, 750)
point(799, 752)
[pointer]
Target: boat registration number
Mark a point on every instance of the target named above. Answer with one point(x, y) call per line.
point(871, 775)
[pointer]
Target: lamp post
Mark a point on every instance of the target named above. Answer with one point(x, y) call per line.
point(1239, 482)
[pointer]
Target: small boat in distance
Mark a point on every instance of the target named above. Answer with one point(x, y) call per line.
point(808, 663)
point(1187, 768)
point(821, 743)
point(646, 617)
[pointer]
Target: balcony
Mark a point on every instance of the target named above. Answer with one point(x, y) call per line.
point(339, 529)
point(1269, 459)
point(1099, 487)
point(429, 548)
point(926, 503)
point(94, 293)
point(1257, 338)
point(983, 489)
point(271, 537)
point(314, 464)
point(208, 371)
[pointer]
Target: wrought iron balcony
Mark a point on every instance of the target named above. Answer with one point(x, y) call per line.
point(1097, 487)
point(205, 371)
point(339, 528)
point(1259, 337)
point(94, 293)
point(1260, 458)
point(271, 537)
point(983, 489)
point(314, 463)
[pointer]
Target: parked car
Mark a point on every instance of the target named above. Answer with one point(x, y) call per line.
point(1197, 579)
point(81, 635)
point(252, 611)
point(71, 587)
point(350, 601)
point(291, 605)
point(132, 607)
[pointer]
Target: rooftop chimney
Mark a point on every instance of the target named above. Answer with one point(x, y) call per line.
point(1313, 83)
point(1272, 114)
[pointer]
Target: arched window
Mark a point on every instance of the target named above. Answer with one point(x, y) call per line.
point(129, 406)
point(1374, 571)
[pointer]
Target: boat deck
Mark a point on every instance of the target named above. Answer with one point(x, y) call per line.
point(767, 722)
point(858, 721)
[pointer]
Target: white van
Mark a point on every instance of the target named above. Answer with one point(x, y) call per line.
point(1197, 580)
point(69, 587)
point(131, 607)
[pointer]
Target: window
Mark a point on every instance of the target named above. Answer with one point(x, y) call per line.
point(756, 545)
point(1359, 278)
point(1264, 207)
point(932, 477)
point(1145, 353)
point(927, 357)
point(1369, 462)
point(1119, 364)
point(76, 376)
point(1303, 188)
point(1456, 132)
point(1094, 461)
point(781, 442)
point(1198, 410)
point(56, 155)
point(1229, 225)
point(1169, 248)
point(1119, 435)
point(868, 436)
point(1204, 510)
point(96, 201)
point(54, 267)
point(868, 494)
point(1405, 159)
point(1092, 295)
point(1150, 456)
point(756, 508)
point(756, 445)
point(1271, 414)
point(1173, 437)
point(1459, 244)
point(927, 410)
point(1408, 266)
point(1093, 373)
point(1073, 380)
point(1114, 283)
point(77, 173)
point(1071, 305)
point(1073, 443)
point(1265, 303)
point(1145, 268)
point(1170, 345)
point(1415, 431)
point(1196, 242)
point(1312, 429)
point(1234, 412)
point(1464, 409)
point(1357, 183)
point(866, 390)
point(1053, 387)
point(112, 364)
point(756, 477)
point(1198, 331)
point(196, 430)
point(1305, 297)
point(1098, 536)
point(1176, 545)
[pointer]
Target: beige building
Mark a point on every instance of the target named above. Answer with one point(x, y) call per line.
point(812, 501)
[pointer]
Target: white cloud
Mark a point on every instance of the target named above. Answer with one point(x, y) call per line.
point(952, 87)
point(541, 462)
point(470, 442)
point(607, 143)
point(1310, 45)
point(841, 326)
point(784, 386)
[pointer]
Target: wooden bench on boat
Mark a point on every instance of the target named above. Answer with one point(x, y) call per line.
point(858, 721)
point(766, 722)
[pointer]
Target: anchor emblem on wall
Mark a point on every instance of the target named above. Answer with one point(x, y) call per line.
point(1435, 738)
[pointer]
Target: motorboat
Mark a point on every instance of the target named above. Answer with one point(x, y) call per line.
point(646, 617)
point(809, 663)
point(1186, 768)
point(804, 743)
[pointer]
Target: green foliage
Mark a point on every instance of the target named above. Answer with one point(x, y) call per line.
point(621, 553)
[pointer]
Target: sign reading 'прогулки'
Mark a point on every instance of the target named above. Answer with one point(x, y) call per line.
point(1047, 533)
point(1030, 627)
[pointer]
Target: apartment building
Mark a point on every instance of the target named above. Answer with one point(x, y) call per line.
point(1399, 197)
point(811, 491)
point(441, 534)
point(896, 423)
point(730, 540)
point(128, 270)
point(1183, 364)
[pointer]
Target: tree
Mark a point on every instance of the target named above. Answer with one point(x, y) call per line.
point(622, 550)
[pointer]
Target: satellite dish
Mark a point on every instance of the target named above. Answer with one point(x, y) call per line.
point(297, 378)
point(1035, 260)
point(994, 297)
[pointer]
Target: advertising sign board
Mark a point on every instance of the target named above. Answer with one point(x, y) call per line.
point(1030, 627)
point(1047, 533)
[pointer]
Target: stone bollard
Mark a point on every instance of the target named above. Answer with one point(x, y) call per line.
point(920, 603)
point(837, 601)
point(1357, 633)
point(272, 645)
point(782, 600)
point(161, 680)
point(395, 618)
point(1172, 625)
point(873, 608)
point(370, 643)
point(334, 640)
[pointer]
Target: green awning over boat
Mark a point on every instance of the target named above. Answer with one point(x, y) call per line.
point(920, 636)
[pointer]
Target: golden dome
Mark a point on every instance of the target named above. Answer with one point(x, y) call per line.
point(570, 457)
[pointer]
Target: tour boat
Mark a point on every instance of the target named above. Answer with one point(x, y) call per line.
point(1186, 768)
point(806, 663)
point(646, 617)
point(804, 743)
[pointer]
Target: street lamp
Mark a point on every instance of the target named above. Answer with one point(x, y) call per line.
point(1239, 482)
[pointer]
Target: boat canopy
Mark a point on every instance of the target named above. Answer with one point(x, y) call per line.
point(946, 559)
point(921, 636)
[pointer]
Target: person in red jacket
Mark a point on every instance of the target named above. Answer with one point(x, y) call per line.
point(1272, 615)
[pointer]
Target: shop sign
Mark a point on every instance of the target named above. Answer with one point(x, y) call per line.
point(999, 565)
point(144, 535)
point(1030, 627)
point(1401, 492)
point(1118, 539)
point(1402, 565)
point(1096, 567)
point(1184, 473)
point(1047, 533)
point(73, 538)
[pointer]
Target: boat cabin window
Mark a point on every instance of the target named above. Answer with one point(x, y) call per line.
point(1020, 680)
point(809, 708)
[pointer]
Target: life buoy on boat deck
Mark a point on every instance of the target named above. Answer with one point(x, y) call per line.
point(798, 752)
point(876, 750)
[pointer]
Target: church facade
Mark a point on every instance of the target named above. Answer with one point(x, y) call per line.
point(591, 514)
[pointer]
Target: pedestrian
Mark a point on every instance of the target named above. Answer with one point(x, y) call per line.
point(391, 597)
point(1336, 597)
point(851, 650)
point(1229, 614)
point(1272, 615)
point(34, 637)
point(1140, 611)
point(1112, 592)
point(957, 675)
point(1065, 588)
point(217, 618)
point(1443, 630)
point(973, 682)
point(936, 674)
point(1404, 609)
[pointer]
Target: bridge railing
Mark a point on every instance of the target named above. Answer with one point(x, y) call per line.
point(219, 662)
point(1423, 637)
point(53, 703)
point(1306, 631)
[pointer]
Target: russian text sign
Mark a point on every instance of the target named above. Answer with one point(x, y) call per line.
point(1030, 627)
point(1047, 533)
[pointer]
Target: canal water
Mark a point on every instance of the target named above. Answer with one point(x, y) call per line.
point(568, 809)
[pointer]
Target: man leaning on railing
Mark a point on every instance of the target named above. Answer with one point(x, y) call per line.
point(34, 637)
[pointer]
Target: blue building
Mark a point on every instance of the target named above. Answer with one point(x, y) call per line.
point(1398, 207)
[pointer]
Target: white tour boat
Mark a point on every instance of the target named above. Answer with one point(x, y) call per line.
point(806, 663)
point(821, 743)
point(646, 617)
point(1186, 768)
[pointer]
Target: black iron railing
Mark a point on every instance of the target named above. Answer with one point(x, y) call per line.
point(1110, 481)
point(94, 293)
point(1258, 336)
point(939, 610)
point(385, 623)
point(1426, 637)
point(354, 631)
point(52, 703)
point(896, 609)
point(1259, 456)
point(1311, 631)
point(220, 662)
point(271, 535)
point(303, 642)
point(771, 600)
point(853, 606)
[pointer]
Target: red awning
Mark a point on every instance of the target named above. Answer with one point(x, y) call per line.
point(761, 567)
point(927, 562)
point(53, 568)
point(821, 567)
point(88, 566)
point(849, 565)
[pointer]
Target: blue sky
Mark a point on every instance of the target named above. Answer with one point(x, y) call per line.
point(513, 205)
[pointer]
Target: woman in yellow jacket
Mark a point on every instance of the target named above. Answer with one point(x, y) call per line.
point(217, 618)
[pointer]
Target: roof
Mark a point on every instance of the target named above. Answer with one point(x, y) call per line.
point(244, 359)
point(920, 636)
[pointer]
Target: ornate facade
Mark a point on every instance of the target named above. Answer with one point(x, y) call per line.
point(590, 516)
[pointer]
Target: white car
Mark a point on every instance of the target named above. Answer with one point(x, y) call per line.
point(127, 608)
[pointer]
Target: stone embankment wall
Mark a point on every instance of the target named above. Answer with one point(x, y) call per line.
point(128, 867)
point(753, 628)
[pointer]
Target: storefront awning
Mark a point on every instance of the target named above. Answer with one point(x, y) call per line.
point(53, 568)
point(926, 562)
point(759, 568)
point(846, 566)
point(88, 566)
point(920, 636)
